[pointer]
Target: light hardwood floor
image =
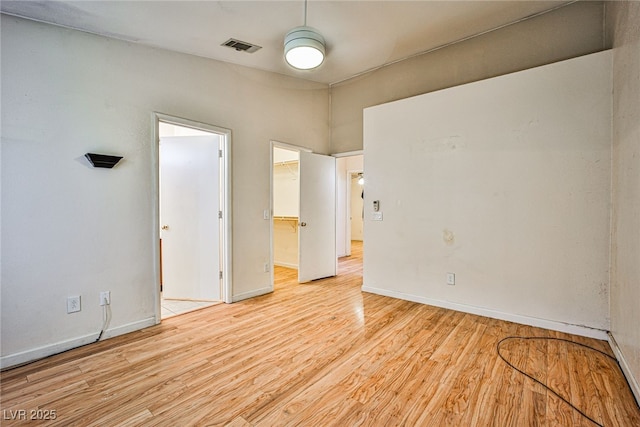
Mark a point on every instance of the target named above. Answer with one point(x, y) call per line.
point(323, 354)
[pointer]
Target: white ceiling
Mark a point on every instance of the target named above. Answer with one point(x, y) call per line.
point(360, 35)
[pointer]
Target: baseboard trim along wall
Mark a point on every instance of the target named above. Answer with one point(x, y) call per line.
point(285, 264)
point(480, 311)
point(256, 293)
point(51, 349)
point(626, 370)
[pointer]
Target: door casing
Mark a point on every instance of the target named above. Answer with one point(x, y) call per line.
point(270, 213)
point(225, 203)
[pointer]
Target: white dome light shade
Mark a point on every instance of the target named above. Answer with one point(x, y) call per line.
point(304, 48)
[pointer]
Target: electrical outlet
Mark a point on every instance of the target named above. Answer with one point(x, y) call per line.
point(105, 297)
point(266, 267)
point(73, 304)
point(451, 279)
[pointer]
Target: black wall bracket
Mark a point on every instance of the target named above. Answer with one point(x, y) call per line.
point(102, 160)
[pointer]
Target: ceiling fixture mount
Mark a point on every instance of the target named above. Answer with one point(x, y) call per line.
point(304, 46)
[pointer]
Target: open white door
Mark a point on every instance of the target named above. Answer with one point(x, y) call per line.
point(317, 222)
point(189, 205)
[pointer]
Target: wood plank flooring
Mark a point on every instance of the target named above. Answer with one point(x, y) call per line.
point(323, 354)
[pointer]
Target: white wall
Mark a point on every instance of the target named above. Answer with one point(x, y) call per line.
point(625, 240)
point(68, 229)
point(511, 192)
point(286, 183)
point(285, 242)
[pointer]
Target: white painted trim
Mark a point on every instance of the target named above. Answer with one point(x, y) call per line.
point(155, 216)
point(271, 251)
point(129, 327)
point(494, 314)
point(624, 366)
point(59, 347)
point(286, 264)
point(227, 225)
point(349, 153)
point(255, 293)
point(291, 147)
point(226, 253)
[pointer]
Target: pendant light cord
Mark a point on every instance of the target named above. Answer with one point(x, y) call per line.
point(305, 13)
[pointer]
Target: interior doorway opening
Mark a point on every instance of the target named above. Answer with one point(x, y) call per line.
point(356, 206)
point(351, 183)
point(285, 207)
point(302, 229)
point(193, 216)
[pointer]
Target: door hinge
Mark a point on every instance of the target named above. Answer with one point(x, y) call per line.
point(219, 214)
point(221, 275)
point(220, 153)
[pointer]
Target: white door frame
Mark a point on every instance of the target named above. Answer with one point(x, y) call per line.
point(225, 203)
point(291, 147)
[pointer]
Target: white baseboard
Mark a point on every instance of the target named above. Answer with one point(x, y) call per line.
point(247, 295)
point(494, 314)
point(626, 370)
point(286, 264)
point(129, 327)
point(51, 349)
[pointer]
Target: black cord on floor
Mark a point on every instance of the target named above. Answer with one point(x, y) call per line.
point(540, 382)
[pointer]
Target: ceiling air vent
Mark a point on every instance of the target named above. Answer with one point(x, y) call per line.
point(241, 46)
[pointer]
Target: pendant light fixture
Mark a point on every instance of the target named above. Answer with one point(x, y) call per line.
point(304, 46)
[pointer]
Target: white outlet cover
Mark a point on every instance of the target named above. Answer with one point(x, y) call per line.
point(105, 297)
point(451, 279)
point(73, 304)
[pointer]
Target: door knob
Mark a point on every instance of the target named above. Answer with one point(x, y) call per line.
point(165, 227)
point(303, 224)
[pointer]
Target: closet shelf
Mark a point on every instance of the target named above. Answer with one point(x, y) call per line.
point(285, 218)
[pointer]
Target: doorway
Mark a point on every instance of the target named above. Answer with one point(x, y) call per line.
point(356, 206)
point(303, 228)
point(193, 231)
point(286, 207)
point(349, 210)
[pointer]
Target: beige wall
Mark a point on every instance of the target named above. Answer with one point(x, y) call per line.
point(623, 25)
point(286, 189)
point(68, 229)
point(565, 33)
point(285, 242)
point(506, 183)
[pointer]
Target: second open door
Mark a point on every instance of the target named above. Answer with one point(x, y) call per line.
point(317, 222)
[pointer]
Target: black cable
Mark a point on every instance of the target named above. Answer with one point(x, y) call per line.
point(540, 382)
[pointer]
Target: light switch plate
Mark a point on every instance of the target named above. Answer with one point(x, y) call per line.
point(376, 216)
